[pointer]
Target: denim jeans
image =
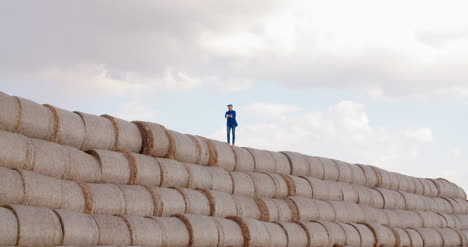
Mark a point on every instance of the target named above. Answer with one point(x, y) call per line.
point(229, 130)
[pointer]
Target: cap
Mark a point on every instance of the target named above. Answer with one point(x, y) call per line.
point(229, 105)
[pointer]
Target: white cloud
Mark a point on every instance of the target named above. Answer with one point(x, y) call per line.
point(421, 134)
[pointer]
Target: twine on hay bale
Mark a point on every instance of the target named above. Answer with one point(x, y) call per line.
point(105, 199)
point(374, 215)
point(353, 237)
point(430, 237)
point(10, 112)
point(69, 127)
point(316, 169)
point(37, 226)
point(175, 232)
point(173, 173)
point(285, 212)
point(221, 180)
point(242, 184)
point(221, 154)
point(195, 202)
point(301, 186)
point(414, 202)
point(378, 199)
point(144, 170)
point(330, 169)
point(392, 199)
point(144, 231)
point(393, 217)
point(78, 229)
point(347, 212)
point(83, 167)
point(11, 187)
point(9, 227)
point(41, 191)
point(278, 235)
point(345, 172)
point(113, 230)
point(36, 121)
point(415, 237)
point(366, 235)
point(199, 177)
point(317, 233)
point(264, 160)
point(372, 178)
point(73, 197)
point(299, 165)
point(230, 233)
point(266, 205)
point(264, 184)
point(335, 232)
point(283, 166)
point(333, 191)
point(455, 221)
point(383, 235)
point(202, 149)
point(349, 192)
point(451, 237)
point(203, 230)
point(14, 151)
point(431, 219)
point(296, 235)
point(326, 210)
point(244, 160)
point(185, 149)
point(99, 132)
point(429, 188)
point(167, 202)
point(138, 200)
point(294, 209)
point(364, 196)
point(359, 177)
point(458, 205)
point(127, 135)
point(440, 205)
point(255, 232)
point(319, 189)
point(156, 140)
point(115, 168)
point(307, 208)
point(246, 207)
point(283, 184)
point(49, 158)
point(402, 236)
point(221, 204)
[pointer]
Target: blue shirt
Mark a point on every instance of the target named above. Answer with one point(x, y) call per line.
point(231, 121)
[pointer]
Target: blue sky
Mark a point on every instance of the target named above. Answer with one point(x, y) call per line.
point(352, 83)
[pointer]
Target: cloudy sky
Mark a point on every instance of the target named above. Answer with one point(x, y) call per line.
point(368, 81)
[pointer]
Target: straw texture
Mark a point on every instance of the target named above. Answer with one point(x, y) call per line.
point(278, 236)
point(146, 170)
point(138, 200)
point(185, 149)
point(83, 167)
point(49, 158)
point(347, 212)
point(264, 184)
point(383, 235)
point(195, 202)
point(431, 237)
point(115, 168)
point(282, 164)
point(230, 233)
point(221, 204)
point(316, 169)
point(282, 185)
point(297, 236)
point(127, 135)
point(372, 178)
point(156, 141)
point(349, 192)
point(299, 165)
point(242, 184)
point(78, 228)
point(202, 149)
point(14, 151)
point(203, 230)
point(307, 208)
point(244, 160)
point(10, 112)
point(255, 233)
point(264, 161)
point(336, 234)
point(221, 155)
point(366, 235)
point(175, 232)
point(173, 173)
point(199, 177)
point(41, 191)
point(246, 207)
point(222, 180)
point(106, 199)
point(416, 238)
point(345, 171)
point(352, 235)
point(99, 132)
point(73, 197)
point(36, 121)
point(70, 128)
point(113, 230)
point(318, 234)
point(301, 187)
point(11, 187)
point(168, 202)
point(144, 231)
point(330, 169)
point(8, 227)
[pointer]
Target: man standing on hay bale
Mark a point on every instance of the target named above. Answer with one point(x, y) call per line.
point(231, 124)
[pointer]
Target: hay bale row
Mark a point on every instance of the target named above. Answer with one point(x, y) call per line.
point(276, 209)
point(255, 233)
point(330, 169)
point(126, 135)
point(203, 230)
point(247, 207)
point(115, 168)
point(175, 232)
point(69, 129)
point(185, 149)
point(35, 120)
point(78, 229)
point(299, 165)
point(10, 113)
point(156, 140)
point(244, 159)
point(221, 154)
point(267, 161)
point(144, 231)
point(99, 132)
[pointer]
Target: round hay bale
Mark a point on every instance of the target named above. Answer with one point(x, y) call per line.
point(353, 238)
point(409, 219)
point(403, 182)
point(413, 201)
point(14, 151)
point(242, 184)
point(393, 217)
point(36, 121)
point(431, 219)
point(366, 235)
point(375, 216)
point(299, 165)
point(255, 232)
point(430, 237)
point(221, 180)
point(8, 227)
point(115, 168)
point(268, 209)
point(195, 202)
point(365, 197)
point(429, 187)
point(378, 199)
point(104, 199)
point(281, 185)
point(307, 208)
point(113, 230)
point(11, 187)
point(336, 234)
point(156, 140)
point(146, 170)
point(440, 205)
point(285, 211)
point(246, 207)
point(99, 132)
point(41, 191)
point(402, 236)
point(10, 112)
point(345, 172)
point(127, 135)
point(277, 234)
point(349, 192)
point(73, 197)
point(454, 221)
point(415, 237)
point(83, 167)
point(358, 175)
point(392, 199)
point(49, 158)
point(371, 176)
point(326, 211)
point(283, 166)
point(264, 184)
point(315, 167)
point(317, 233)
point(330, 169)
point(37, 226)
point(167, 202)
point(230, 233)
point(244, 160)
point(199, 177)
point(383, 235)
point(221, 154)
point(173, 173)
point(389, 180)
point(185, 149)
point(296, 234)
point(418, 186)
point(446, 189)
point(78, 229)
point(320, 189)
point(70, 128)
point(302, 187)
point(451, 237)
point(347, 212)
point(264, 160)
point(221, 204)
point(203, 150)
point(144, 231)
point(458, 205)
point(138, 200)
point(175, 232)
point(203, 230)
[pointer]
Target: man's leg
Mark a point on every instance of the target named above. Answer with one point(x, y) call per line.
point(228, 134)
point(233, 135)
